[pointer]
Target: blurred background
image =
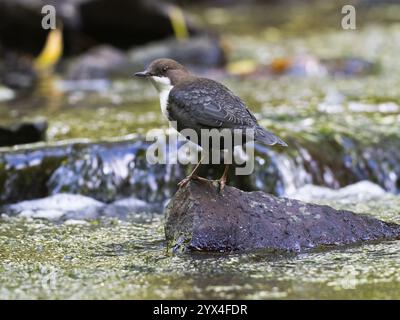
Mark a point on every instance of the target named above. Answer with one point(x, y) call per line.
point(73, 120)
point(331, 93)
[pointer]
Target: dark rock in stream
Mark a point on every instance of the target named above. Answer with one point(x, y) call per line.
point(200, 54)
point(86, 23)
point(17, 72)
point(23, 133)
point(20, 25)
point(123, 23)
point(201, 218)
point(98, 63)
point(197, 53)
point(24, 173)
point(122, 207)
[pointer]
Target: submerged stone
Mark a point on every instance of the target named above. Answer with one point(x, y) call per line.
point(199, 53)
point(75, 208)
point(121, 208)
point(24, 172)
point(86, 22)
point(357, 192)
point(57, 207)
point(100, 62)
point(22, 133)
point(200, 218)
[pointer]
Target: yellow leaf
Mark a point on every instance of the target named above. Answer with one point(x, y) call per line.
point(242, 67)
point(178, 22)
point(52, 50)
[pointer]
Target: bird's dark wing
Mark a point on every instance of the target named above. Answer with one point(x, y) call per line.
point(209, 104)
point(204, 103)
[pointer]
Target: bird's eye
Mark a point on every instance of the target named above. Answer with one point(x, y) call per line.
point(165, 69)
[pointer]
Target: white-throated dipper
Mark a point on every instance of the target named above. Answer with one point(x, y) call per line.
point(200, 103)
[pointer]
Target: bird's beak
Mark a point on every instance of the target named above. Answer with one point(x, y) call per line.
point(142, 74)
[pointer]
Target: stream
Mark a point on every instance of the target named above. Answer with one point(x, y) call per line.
point(337, 106)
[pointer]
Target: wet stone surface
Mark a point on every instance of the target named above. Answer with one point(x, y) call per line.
point(202, 218)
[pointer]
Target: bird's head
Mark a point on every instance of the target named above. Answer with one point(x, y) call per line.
point(164, 73)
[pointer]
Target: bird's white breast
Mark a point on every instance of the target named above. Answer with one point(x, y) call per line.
point(163, 86)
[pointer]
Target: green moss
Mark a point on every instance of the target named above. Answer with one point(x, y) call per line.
point(129, 260)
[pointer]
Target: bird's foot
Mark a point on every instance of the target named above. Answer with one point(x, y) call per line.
point(185, 181)
point(222, 184)
point(222, 181)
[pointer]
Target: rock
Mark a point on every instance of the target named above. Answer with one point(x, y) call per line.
point(121, 208)
point(24, 173)
point(101, 62)
point(17, 72)
point(73, 222)
point(86, 23)
point(23, 133)
point(20, 22)
point(131, 22)
point(57, 207)
point(76, 209)
point(199, 218)
point(6, 94)
point(197, 53)
point(360, 191)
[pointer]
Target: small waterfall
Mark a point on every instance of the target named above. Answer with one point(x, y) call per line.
point(113, 170)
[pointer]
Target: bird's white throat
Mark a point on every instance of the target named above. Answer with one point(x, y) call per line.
point(163, 86)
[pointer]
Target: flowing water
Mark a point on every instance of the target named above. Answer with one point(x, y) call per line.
point(341, 129)
point(128, 259)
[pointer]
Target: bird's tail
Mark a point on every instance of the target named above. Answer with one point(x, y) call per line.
point(267, 137)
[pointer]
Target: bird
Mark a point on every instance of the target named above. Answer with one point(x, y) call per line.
point(198, 103)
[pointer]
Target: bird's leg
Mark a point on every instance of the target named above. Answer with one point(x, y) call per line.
point(222, 181)
point(192, 175)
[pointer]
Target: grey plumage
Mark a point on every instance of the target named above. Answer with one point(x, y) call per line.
point(201, 103)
